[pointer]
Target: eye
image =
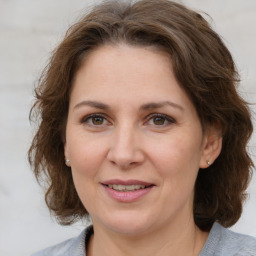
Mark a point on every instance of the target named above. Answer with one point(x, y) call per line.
point(95, 120)
point(160, 120)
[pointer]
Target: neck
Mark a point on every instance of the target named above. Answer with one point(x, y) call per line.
point(179, 240)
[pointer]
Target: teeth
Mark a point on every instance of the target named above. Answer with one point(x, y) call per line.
point(119, 187)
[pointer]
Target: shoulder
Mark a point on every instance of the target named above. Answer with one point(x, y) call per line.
point(72, 247)
point(61, 249)
point(222, 241)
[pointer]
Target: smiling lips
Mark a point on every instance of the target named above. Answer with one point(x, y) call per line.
point(127, 191)
point(126, 187)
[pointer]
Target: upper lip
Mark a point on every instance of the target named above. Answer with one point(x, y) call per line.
point(126, 182)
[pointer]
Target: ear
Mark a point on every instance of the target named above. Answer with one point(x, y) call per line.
point(66, 154)
point(212, 145)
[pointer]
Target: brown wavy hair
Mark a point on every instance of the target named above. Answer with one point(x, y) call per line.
point(203, 66)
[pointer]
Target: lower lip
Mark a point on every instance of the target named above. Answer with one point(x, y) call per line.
point(127, 196)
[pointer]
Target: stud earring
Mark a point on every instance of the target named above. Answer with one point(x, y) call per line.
point(67, 161)
point(208, 162)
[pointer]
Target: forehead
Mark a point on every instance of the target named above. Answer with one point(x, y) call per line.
point(124, 58)
point(125, 73)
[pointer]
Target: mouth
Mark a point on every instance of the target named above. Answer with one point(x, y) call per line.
point(127, 191)
point(127, 188)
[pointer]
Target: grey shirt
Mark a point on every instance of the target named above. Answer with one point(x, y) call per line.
point(220, 242)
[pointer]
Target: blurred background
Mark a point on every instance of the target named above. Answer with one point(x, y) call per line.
point(29, 31)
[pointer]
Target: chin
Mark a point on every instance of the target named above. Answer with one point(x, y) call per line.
point(128, 223)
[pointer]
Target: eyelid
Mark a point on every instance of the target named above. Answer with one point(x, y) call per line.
point(87, 117)
point(170, 120)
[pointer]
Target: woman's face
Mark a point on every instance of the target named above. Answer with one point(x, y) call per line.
point(134, 140)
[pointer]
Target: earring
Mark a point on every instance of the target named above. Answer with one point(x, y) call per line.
point(208, 162)
point(67, 161)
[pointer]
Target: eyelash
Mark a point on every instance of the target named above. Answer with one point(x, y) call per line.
point(167, 118)
point(88, 117)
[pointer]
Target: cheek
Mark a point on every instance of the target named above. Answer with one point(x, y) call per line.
point(86, 161)
point(177, 161)
point(86, 154)
point(179, 150)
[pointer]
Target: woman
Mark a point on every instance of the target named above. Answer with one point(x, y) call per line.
point(141, 128)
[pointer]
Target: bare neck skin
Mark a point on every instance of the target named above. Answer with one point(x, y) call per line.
point(177, 239)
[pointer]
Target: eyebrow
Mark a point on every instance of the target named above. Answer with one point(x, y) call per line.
point(147, 106)
point(94, 104)
point(155, 105)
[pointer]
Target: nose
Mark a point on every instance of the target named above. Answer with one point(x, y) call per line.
point(126, 150)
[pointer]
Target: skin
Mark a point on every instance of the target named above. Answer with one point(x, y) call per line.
point(129, 138)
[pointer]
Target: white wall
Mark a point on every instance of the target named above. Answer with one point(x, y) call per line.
point(29, 30)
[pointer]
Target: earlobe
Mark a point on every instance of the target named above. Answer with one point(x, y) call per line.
point(67, 162)
point(66, 155)
point(211, 148)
